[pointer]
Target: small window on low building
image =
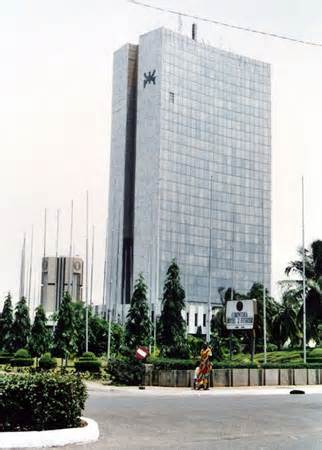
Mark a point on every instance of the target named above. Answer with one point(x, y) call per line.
point(171, 97)
point(187, 318)
point(196, 319)
point(204, 320)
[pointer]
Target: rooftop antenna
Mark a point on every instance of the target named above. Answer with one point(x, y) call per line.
point(23, 268)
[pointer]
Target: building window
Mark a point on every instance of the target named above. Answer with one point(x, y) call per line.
point(196, 319)
point(204, 320)
point(187, 319)
point(171, 97)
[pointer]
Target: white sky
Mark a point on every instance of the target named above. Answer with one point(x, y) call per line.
point(55, 103)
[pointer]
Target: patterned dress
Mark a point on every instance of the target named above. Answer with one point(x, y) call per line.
point(204, 369)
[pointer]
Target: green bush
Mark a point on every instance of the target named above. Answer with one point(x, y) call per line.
point(195, 343)
point(47, 362)
point(22, 358)
point(173, 364)
point(271, 347)
point(5, 357)
point(89, 355)
point(88, 363)
point(126, 371)
point(44, 401)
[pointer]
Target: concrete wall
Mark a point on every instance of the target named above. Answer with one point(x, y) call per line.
point(235, 377)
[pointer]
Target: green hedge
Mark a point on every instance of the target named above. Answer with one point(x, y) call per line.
point(126, 371)
point(47, 362)
point(43, 401)
point(22, 358)
point(5, 357)
point(88, 363)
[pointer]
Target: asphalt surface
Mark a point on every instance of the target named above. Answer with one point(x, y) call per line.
point(219, 419)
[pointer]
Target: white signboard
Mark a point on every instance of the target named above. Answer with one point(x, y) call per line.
point(240, 314)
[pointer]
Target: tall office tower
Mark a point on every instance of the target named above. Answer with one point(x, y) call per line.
point(58, 276)
point(190, 153)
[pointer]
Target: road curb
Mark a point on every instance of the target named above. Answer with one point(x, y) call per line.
point(51, 438)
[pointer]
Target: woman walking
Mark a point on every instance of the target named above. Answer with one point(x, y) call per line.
point(205, 368)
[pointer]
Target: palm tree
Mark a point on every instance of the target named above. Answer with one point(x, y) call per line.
point(284, 323)
point(313, 273)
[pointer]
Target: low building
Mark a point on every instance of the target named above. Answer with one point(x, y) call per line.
point(60, 274)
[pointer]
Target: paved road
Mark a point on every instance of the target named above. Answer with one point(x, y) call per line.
point(220, 419)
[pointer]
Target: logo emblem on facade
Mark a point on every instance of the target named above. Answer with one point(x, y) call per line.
point(149, 78)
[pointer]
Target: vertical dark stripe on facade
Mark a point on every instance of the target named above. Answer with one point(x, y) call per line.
point(129, 176)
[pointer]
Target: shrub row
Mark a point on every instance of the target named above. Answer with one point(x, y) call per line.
point(43, 401)
point(126, 371)
point(88, 363)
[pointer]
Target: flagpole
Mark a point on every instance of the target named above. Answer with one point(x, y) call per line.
point(264, 292)
point(86, 310)
point(23, 269)
point(30, 268)
point(209, 263)
point(70, 282)
point(92, 265)
point(45, 232)
point(304, 275)
point(57, 231)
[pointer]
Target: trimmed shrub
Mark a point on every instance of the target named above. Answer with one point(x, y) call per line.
point(5, 357)
point(126, 371)
point(88, 363)
point(22, 358)
point(47, 362)
point(44, 401)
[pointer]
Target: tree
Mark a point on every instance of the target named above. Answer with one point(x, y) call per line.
point(40, 338)
point(65, 336)
point(98, 336)
point(79, 311)
point(313, 273)
point(21, 326)
point(138, 324)
point(6, 325)
point(172, 326)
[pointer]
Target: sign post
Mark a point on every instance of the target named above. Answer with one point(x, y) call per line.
point(140, 355)
point(240, 315)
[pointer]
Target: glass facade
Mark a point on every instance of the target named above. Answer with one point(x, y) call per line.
point(203, 161)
